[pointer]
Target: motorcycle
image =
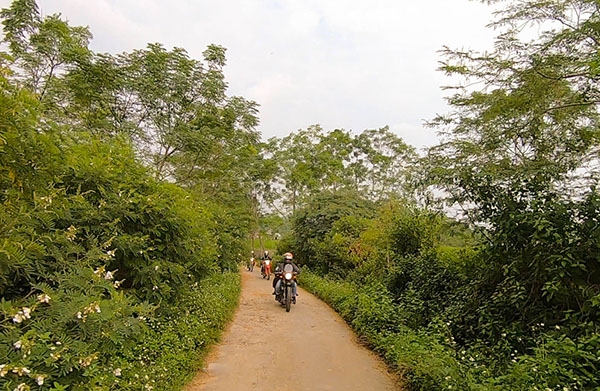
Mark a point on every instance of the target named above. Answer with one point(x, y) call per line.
point(265, 269)
point(285, 295)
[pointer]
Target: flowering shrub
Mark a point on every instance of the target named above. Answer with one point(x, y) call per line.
point(68, 333)
point(98, 261)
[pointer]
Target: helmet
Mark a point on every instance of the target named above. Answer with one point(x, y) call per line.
point(288, 256)
point(266, 252)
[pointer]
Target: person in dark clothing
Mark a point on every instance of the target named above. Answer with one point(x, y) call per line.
point(287, 259)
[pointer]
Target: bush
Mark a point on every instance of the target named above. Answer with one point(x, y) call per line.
point(422, 359)
point(98, 261)
point(171, 349)
point(105, 210)
point(68, 333)
point(480, 317)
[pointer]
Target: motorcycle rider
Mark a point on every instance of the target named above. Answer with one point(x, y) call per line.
point(266, 257)
point(287, 259)
point(252, 261)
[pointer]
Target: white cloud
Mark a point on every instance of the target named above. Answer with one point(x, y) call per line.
point(347, 64)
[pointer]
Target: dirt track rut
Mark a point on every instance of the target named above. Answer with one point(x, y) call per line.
point(308, 349)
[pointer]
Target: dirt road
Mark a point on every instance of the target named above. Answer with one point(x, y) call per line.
point(308, 349)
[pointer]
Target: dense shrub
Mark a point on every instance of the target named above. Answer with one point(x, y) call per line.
point(469, 318)
point(312, 224)
point(425, 360)
point(98, 261)
point(104, 210)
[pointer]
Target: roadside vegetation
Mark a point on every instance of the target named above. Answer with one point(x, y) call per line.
point(505, 295)
point(122, 209)
point(132, 185)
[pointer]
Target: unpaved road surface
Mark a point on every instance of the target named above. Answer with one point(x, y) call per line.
point(308, 349)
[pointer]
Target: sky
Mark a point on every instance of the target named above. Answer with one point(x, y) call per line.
point(339, 63)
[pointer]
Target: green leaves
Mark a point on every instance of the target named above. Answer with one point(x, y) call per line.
point(375, 163)
point(42, 48)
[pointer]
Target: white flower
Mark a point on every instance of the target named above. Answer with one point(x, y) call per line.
point(97, 308)
point(108, 276)
point(20, 316)
point(39, 379)
point(557, 327)
point(117, 372)
point(79, 316)
point(154, 288)
point(504, 334)
point(541, 324)
point(44, 298)
point(117, 284)
point(21, 371)
point(3, 370)
point(71, 232)
point(22, 387)
point(18, 344)
point(111, 253)
point(156, 267)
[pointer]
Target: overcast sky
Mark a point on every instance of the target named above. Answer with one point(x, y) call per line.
point(339, 63)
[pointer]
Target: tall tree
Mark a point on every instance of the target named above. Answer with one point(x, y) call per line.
point(375, 163)
point(389, 162)
point(521, 156)
point(42, 48)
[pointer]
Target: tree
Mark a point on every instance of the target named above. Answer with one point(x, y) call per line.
point(375, 163)
point(520, 157)
point(299, 170)
point(42, 48)
point(388, 161)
